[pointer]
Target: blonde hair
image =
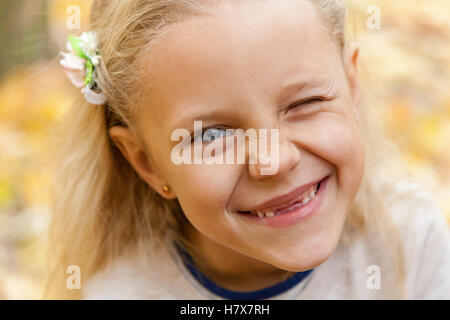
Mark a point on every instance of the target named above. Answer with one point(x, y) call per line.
point(101, 207)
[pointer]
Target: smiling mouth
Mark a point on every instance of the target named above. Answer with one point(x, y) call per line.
point(300, 201)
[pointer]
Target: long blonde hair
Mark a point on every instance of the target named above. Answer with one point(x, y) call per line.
point(101, 207)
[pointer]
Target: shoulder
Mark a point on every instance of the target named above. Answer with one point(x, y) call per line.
point(117, 280)
point(415, 213)
point(409, 199)
point(135, 277)
point(424, 233)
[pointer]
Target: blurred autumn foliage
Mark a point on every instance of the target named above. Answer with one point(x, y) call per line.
point(405, 70)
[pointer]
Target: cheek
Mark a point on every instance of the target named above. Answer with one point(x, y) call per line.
point(337, 140)
point(344, 147)
point(199, 186)
point(204, 190)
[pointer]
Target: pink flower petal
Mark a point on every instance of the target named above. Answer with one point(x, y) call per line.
point(76, 77)
point(92, 97)
point(71, 61)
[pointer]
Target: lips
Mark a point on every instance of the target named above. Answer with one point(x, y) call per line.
point(278, 205)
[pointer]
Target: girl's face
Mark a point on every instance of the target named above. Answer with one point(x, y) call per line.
point(241, 68)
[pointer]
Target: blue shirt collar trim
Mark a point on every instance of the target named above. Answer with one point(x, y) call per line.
point(265, 293)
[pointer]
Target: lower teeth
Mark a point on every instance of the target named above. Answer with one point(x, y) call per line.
point(298, 203)
point(294, 206)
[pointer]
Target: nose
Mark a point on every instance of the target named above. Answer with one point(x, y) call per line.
point(277, 163)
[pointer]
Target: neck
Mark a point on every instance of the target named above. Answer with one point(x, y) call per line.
point(230, 269)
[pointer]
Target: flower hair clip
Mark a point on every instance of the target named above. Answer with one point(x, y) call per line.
point(80, 65)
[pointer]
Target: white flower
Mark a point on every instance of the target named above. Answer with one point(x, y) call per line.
point(75, 66)
point(95, 60)
point(89, 44)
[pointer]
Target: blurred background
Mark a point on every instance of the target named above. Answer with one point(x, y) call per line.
point(405, 70)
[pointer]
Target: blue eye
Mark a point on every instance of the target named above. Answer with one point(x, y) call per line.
point(209, 135)
point(214, 133)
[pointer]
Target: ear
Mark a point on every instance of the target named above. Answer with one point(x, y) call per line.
point(131, 149)
point(351, 59)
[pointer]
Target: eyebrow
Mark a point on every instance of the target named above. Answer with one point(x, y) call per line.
point(300, 84)
point(188, 121)
point(294, 86)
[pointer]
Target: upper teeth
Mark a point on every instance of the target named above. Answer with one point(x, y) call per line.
point(304, 199)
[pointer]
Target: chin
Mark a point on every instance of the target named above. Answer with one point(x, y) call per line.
point(309, 260)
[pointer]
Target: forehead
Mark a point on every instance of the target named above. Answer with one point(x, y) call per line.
point(242, 51)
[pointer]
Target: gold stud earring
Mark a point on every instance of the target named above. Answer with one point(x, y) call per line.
point(166, 189)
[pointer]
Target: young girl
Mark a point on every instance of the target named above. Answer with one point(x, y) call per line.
point(327, 224)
